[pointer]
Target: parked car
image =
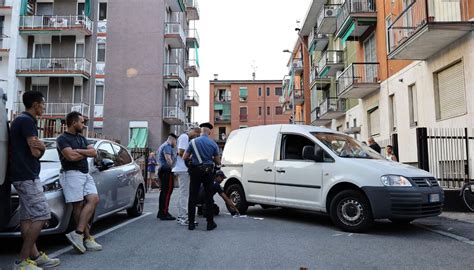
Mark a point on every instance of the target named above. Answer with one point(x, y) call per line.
point(119, 183)
point(313, 168)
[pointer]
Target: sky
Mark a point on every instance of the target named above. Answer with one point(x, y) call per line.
point(236, 35)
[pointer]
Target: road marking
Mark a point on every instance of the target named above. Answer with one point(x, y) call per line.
point(69, 248)
point(447, 234)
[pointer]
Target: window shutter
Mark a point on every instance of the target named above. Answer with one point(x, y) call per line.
point(374, 122)
point(243, 92)
point(451, 93)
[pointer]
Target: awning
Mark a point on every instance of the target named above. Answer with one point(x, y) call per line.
point(348, 32)
point(139, 138)
point(87, 8)
point(24, 7)
point(196, 53)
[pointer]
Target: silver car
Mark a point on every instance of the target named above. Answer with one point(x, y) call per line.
point(118, 179)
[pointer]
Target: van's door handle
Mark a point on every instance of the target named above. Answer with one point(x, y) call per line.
point(268, 169)
point(281, 171)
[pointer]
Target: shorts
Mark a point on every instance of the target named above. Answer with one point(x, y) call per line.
point(76, 185)
point(33, 205)
point(151, 175)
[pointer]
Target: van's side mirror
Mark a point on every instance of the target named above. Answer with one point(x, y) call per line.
point(106, 164)
point(308, 152)
point(318, 154)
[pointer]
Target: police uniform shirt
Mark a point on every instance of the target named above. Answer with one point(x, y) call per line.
point(207, 149)
point(165, 148)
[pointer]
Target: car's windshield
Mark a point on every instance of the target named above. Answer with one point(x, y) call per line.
point(346, 146)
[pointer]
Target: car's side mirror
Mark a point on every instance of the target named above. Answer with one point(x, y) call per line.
point(106, 164)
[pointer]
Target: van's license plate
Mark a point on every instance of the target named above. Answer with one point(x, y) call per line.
point(434, 198)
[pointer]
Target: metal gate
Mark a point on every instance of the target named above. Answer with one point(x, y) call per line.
point(140, 155)
point(444, 152)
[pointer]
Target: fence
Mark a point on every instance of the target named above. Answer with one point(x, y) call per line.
point(140, 155)
point(444, 152)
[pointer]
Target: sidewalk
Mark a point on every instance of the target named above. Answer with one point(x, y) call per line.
point(459, 216)
point(457, 225)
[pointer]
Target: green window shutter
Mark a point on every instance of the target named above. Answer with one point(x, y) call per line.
point(139, 138)
point(218, 106)
point(87, 8)
point(226, 109)
point(243, 92)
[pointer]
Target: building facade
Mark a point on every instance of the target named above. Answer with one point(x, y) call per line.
point(238, 104)
point(150, 73)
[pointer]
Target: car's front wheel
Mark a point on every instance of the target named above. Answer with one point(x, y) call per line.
point(236, 194)
point(138, 205)
point(350, 211)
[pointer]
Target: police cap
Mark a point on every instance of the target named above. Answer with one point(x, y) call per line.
point(206, 125)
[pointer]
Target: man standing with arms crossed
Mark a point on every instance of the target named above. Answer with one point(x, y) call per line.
point(25, 166)
point(181, 171)
point(166, 159)
point(78, 186)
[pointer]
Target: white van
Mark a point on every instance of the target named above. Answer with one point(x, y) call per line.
point(313, 168)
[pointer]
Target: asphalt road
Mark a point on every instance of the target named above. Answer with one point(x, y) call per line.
point(266, 239)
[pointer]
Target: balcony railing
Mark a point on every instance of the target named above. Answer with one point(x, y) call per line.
point(60, 109)
point(174, 34)
point(332, 104)
point(192, 96)
point(221, 118)
point(54, 66)
point(192, 9)
point(4, 43)
point(193, 38)
point(421, 13)
point(330, 57)
point(174, 115)
point(54, 22)
point(354, 6)
point(192, 68)
point(297, 65)
point(174, 74)
point(357, 73)
point(327, 19)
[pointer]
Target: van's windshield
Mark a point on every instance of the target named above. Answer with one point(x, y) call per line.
point(345, 146)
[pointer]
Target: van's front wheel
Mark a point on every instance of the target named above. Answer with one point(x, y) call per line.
point(237, 196)
point(350, 211)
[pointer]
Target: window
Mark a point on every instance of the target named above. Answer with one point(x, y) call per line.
point(278, 110)
point(222, 134)
point(105, 150)
point(450, 94)
point(101, 52)
point(77, 98)
point(374, 121)
point(268, 110)
point(44, 9)
point(292, 147)
point(99, 95)
point(41, 88)
point(393, 113)
point(42, 50)
point(243, 94)
point(413, 105)
point(241, 127)
point(123, 158)
point(278, 91)
point(268, 91)
point(102, 11)
point(80, 9)
point(243, 113)
point(259, 92)
point(259, 110)
point(370, 56)
point(80, 52)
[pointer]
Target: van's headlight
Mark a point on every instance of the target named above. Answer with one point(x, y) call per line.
point(52, 186)
point(395, 181)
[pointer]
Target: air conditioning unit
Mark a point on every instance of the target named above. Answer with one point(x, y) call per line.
point(330, 13)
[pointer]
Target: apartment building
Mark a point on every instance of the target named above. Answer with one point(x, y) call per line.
point(238, 104)
point(50, 46)
point(152, 62)
point(384, 68)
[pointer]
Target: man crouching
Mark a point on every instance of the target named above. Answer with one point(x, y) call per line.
point(78, 186)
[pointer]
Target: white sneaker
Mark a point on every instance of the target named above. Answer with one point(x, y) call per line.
point(46, 262)
point(185, 222)
point(26, 265)
point(77, 241)
point(92, 245)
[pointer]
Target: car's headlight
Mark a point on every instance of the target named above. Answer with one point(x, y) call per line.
point(395, 181)
point(52, 186)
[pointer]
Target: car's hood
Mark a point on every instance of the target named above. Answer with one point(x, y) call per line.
point(383, 167)
point(49, 170)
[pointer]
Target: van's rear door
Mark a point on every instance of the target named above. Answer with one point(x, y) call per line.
point(5, 186)
point(258, 170)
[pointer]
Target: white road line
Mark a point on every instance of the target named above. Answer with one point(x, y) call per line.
point(68, 248)
point(447, 234)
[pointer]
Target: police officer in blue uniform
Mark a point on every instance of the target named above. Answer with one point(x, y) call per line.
point(203, 153)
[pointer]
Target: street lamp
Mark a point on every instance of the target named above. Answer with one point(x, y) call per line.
point(293, 91)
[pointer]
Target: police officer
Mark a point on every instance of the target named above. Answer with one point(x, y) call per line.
point(204, 155)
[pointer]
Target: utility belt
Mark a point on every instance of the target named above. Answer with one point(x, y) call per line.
point(206, 168)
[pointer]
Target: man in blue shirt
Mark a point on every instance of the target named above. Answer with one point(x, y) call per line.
point(204, 155)
point(27, 149)
point(166, 161)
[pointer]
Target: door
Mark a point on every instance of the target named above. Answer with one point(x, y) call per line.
point(298, 182)
point(125, 173)
point(4, 185)
point(106, 180)
point(258, 172)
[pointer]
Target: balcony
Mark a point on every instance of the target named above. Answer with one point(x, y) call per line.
point(174, 35)
point(53, 67)
point(192, 10)
point(299, 96)
point(191, 98)
point(192, 39)
point(173, 115)
point(331, 62)
point(358, 80)
point(327, 19)
point(332, 108)
point(59, 109)
point(4, 45)
point(192, 68)
point(318, 81)
point(59, 25)
point(317, 42)
point(315, 120)
point(174, 76)
point(5, 8)
point(355, 17)
point(297, 66)
point(427, 26)
point(222, 119)
point(176, 5)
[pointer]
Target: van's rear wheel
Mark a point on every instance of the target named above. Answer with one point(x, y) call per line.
point(350, 211)
point(237, 196)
